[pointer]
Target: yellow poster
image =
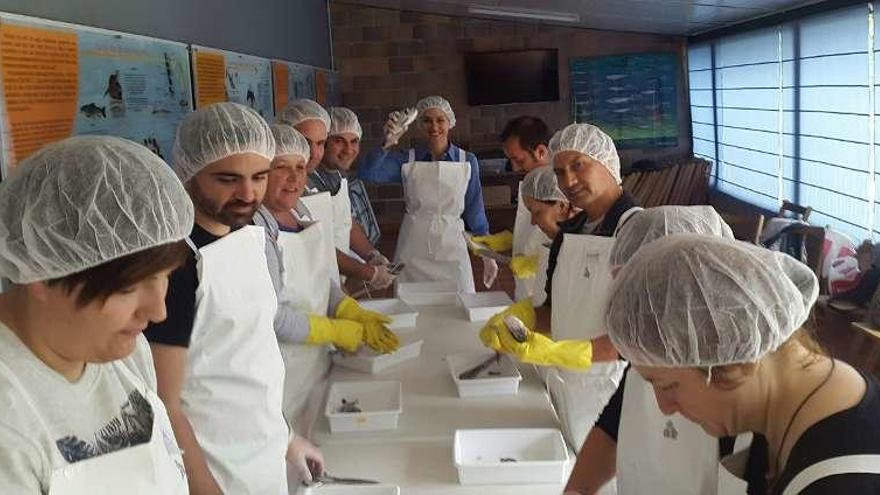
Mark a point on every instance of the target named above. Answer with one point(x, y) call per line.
point(210, 78)
point(280, 78)
point(40, 76)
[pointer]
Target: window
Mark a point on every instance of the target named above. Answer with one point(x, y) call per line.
point(786, 113)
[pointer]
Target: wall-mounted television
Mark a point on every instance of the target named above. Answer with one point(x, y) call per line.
point(519, 76)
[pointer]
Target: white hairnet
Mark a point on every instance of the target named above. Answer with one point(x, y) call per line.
point(439, 103)
point(216, 132)
point(691, 300)
point(288, 141)
point(589, 140)
point(84, 201)
point(541, 184)
point(653, 223)
point(301, 110)
point(343, 120)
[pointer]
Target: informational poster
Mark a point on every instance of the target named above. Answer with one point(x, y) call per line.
point(60, 80)
point(632, 97)
point(221, 75)
point(292, 81)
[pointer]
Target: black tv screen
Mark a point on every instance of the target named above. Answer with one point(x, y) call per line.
point(520, 76)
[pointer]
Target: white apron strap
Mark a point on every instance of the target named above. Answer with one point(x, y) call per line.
point(412, 155)
point(848, 464)
point(462, 156)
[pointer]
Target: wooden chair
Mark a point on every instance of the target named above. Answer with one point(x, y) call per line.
point(800, 212)
point(745, 226)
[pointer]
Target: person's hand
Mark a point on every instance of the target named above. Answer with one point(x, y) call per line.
point(523, 310)
point(343, 333)
point(500, 242)
point(382, 278)
point(397, 124)
point(377, 335)
point(375, 258)
point(490, 272)
point(524, 267)
point(544, 351)
point(305, 459)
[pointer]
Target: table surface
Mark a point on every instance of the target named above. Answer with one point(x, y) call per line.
point(418, 455)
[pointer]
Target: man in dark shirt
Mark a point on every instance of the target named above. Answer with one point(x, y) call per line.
point(218, 367)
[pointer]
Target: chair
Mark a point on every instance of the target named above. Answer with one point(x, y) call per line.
point(800, 212)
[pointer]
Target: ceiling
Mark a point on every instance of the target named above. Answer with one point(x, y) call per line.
point(680, 17)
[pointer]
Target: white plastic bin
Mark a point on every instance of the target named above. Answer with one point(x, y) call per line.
point(331, 489)
point(367, 360)
point(510, 456)
point(380, 403)
point(402, 315)
point(506, 383)
point(482, 305)
point(428, 293)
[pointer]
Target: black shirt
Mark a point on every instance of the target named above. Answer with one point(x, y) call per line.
point(180, 301)
point(854, 431)
point(577, 224)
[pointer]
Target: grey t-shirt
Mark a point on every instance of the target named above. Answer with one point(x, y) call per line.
point(47, 422)
point(291, 325)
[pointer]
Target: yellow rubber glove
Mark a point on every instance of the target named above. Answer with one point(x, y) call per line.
point(500, 242)
point(377, 335)
point(345, 334)
point(524, 267)
point(521, 309)
point(544, 351)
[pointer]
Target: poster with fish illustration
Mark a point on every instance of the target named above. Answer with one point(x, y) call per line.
point(292, 81)
point(633, 97)
point(246, 79)
point(77, 80)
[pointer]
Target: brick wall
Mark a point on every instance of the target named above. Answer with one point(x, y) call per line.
point(389, 59)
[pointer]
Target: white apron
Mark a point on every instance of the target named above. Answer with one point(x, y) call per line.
point(523, 232)
point(431, 239)
point(320, 207)
point(235, 374)
point(308, 259)
point(536, 245)
point(341, 210)
point(659, 454)
point(146, 469)
point(580, 286)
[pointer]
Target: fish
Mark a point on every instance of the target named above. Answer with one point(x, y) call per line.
point(158, 111)
point(621, 110)
point(183, 104)
point(93, 111)
point(615, 101)
point(615, 77)
point(615, 88)
point(114, 89)
point(649, 91)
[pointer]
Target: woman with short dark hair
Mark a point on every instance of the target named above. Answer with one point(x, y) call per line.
point(90, 229)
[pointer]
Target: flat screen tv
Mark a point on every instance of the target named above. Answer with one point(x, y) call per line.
point(520, 76)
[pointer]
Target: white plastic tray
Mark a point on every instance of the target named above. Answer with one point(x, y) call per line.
point(482, 305)
point(402, 315)
point(379, 401)
point(352, 489)
point(540, 456)
point(507, 383)
point(369, 361)
point(428, 293)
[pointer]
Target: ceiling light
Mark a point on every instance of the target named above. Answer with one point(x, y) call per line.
point(540, 15)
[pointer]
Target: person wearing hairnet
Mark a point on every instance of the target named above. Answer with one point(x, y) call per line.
point(647, 451)
point(525, 142)
point(715, 326)
point(218, 365)
point(547, 207)
point(588, 173)
point(89, 269)
point(340, 152)
point(313, 122)
point(312, 311)
point(441, 187)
